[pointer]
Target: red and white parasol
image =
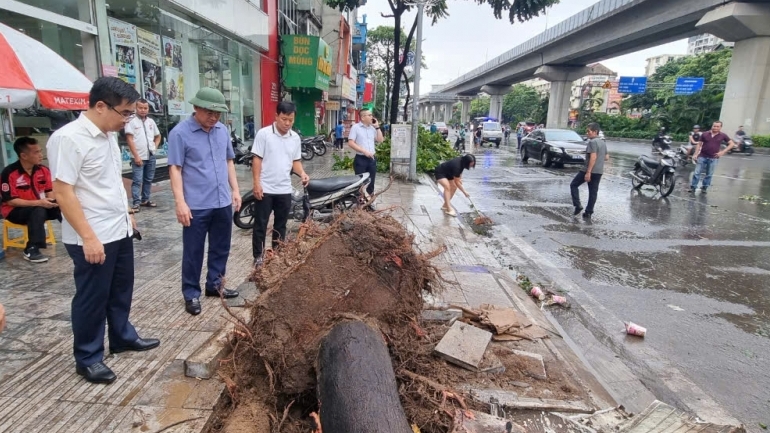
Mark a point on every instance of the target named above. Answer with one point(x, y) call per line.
point(30, 70)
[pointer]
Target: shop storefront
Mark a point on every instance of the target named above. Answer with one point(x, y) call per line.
point(167, 49)
point(306, 71)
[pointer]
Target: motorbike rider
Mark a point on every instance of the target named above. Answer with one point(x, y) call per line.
point(694, 140)
point(461, 139)
point(740, 134)
point(477, 135)
point(449, 176)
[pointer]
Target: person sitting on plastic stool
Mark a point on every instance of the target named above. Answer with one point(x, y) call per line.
point(27, 196)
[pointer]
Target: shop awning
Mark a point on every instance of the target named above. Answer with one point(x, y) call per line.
point(31, 70)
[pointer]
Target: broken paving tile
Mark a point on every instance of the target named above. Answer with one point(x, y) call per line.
point(531, 364)
point(441, 315)
point(464, 345)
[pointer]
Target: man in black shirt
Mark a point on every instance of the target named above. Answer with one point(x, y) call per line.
point(449, 176)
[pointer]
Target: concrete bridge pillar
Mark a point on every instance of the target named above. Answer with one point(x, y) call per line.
point(448, 112)
point(747, 92)
point(561, 78)
point(466, 108)
point(496, 94)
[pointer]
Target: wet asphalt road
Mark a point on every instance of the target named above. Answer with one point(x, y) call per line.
point(693, 269)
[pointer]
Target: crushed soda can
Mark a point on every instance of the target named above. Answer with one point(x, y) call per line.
point(561, 300)
point(537, 292)
point(634, 329)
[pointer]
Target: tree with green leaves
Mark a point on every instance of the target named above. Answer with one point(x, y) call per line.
point(479, 107)
point(516, 10)
point(520, 104)
point(678, 113)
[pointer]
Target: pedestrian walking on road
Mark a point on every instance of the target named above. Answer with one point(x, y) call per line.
point(277, 153)
point(97, 229)
point(143, 137)
point(338, 139)
point(200, 161)
point(707, 155)
point(519, 135)
point(596, 155)
point(27, 196)
point(449, 176)
point(362, 138)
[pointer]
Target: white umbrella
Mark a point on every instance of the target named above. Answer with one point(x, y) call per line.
point(31, 70)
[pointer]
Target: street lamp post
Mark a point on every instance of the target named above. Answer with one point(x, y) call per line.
point(416, 91)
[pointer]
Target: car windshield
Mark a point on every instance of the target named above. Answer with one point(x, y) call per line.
point(440, 125)
point(491, 126)
point(562, 135)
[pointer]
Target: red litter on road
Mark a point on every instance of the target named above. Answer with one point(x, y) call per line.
point(537, 292)
point(634, 329)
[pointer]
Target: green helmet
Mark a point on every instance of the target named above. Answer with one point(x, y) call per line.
point(210, 99)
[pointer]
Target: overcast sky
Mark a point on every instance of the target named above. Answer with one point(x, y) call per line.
point(471, 35)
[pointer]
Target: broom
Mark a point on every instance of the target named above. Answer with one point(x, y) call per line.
point(481, 219)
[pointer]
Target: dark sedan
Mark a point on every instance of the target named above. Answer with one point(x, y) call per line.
point(554, 146)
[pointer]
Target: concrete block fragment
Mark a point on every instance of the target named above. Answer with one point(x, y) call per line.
point(464, 345)
point(532, 364)
point(441, 315)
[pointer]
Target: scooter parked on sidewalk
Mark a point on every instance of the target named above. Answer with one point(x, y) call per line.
point(318, 200)
point(660, 174)
point(744, 145)
point(241, 151)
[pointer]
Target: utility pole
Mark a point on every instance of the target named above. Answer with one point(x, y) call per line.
point(416, 91)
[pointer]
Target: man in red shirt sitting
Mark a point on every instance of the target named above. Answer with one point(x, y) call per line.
point(27, 196)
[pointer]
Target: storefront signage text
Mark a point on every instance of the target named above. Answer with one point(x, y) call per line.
point(308, 62)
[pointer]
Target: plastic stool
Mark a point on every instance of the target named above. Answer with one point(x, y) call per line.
point(21, 241)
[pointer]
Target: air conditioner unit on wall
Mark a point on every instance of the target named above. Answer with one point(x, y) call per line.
point(304, 5)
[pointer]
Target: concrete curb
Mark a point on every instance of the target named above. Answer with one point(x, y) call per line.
point(758, 150)
point(605, 326)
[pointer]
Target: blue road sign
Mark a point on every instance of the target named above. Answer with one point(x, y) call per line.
point(631, 85)
point(688, 85)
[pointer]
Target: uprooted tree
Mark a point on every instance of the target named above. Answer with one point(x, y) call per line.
point(517, 10)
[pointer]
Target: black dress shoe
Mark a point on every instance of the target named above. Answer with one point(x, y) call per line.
point(97, 373)
point(226, 293)
point(193, 306)
point(140, 345)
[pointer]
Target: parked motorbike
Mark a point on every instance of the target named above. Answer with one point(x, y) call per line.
point(657, 173)
point(318, 200)
point(241, 151)
point(744, 145)
point(661, 142)
point(308, 152)
point(683, 155)
point(460, 144)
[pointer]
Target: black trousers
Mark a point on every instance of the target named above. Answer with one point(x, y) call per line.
point(34, 218)
point(362, 164)
point(593, 190)
point(102, 294)
point(278, 204)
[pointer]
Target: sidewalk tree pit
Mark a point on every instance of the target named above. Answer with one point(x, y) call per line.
point(323, 298)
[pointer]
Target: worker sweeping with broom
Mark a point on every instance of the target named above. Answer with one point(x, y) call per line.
point(449, 176)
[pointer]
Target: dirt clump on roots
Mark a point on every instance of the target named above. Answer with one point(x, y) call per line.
point(361, 266)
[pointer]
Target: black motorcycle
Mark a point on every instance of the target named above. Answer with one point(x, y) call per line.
point(460, 144)
point(318, 200)
point(661, 142)
point(308, 151)
point(241, 151)
point(657, 173)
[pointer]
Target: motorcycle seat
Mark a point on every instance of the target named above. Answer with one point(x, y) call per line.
point(649, 162)
point(332, 183)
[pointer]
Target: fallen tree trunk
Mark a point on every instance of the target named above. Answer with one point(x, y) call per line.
point(357, 387)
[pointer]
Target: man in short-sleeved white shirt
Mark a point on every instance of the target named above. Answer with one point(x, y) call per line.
point(363, 136)
point(143, 137)
point(85, 164)
point(277, 152)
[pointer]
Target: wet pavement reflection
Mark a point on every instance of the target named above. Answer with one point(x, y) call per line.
point(642, 255)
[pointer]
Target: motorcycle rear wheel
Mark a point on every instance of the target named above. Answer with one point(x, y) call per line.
point(307, 152)
point(634, 182)
point(666, 186)
point(319, 148)
point(244, 218)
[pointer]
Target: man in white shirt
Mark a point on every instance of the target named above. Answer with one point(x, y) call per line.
point(85, 165)
point(362, 138)
point(143, 139)
point(277, 151)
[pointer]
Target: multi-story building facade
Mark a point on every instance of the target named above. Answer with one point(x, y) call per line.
point(705, 43)
point(167, 49)
point(653, 63)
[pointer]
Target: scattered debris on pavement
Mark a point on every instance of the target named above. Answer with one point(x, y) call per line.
point(634, 329)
